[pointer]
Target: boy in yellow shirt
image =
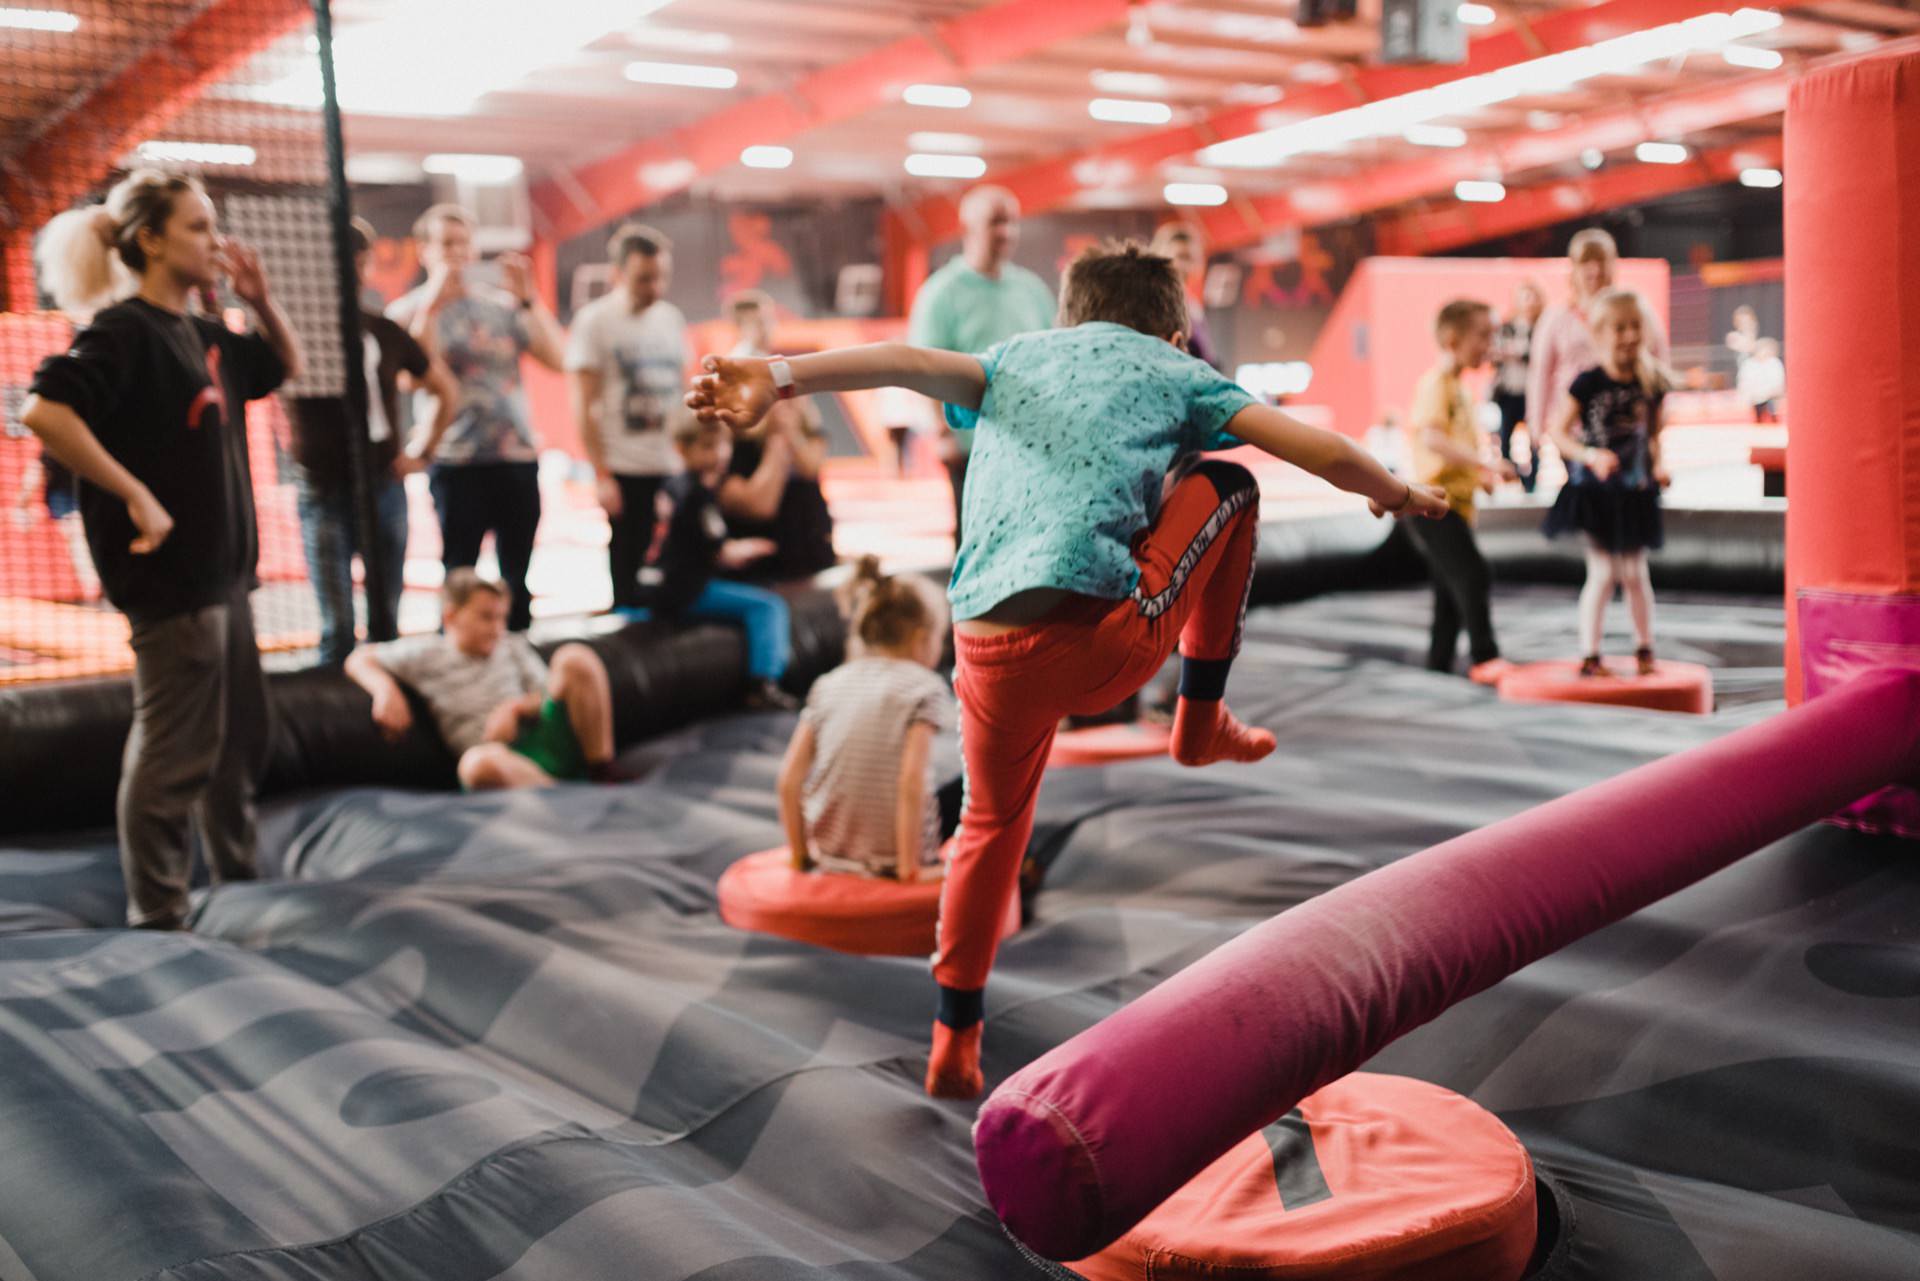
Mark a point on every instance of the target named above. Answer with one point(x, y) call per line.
point(1447, 447)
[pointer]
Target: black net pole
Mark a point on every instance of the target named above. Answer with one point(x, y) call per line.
point(381, 625)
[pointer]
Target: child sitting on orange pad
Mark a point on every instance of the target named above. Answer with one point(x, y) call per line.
point(1076, 577)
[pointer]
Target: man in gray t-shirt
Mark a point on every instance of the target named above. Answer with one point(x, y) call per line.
point(510, 719)
point(627, 361)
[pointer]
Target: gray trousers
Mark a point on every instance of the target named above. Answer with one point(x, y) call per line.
point(200, 735)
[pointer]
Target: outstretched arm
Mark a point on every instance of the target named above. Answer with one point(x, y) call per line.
point(739, 392)
point(1336, 460)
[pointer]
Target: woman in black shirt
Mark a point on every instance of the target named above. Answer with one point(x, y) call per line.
point(148, 407)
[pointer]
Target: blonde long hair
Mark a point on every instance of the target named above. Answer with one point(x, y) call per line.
point(1608, 303)
point(90, 257)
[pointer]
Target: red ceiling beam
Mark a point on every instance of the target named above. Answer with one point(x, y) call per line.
point(1673, 116)
point(579, 198)
point(71, 157)
point(1421, 232)
point(1055, 182)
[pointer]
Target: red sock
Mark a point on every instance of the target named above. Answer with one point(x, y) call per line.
point(1204, 731)
point(953, 1068)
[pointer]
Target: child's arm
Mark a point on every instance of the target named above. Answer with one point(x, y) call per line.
point(67, 437)
point(910, 805)
point(1601, 462)
point(390, 710)
point(757, 497)
point(1661, 476)
point(1336, 460)
point(739, 392)
point(793, 775)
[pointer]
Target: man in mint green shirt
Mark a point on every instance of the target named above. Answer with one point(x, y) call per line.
point(979, 298)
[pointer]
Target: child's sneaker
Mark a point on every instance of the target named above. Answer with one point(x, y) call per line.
point(1592, 666)
point(765, 696)
point(1643, 658)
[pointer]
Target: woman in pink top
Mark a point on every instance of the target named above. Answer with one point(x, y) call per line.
point(1562, 346)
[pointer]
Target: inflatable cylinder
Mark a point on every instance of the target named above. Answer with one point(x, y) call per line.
point(1853, 443)
point(1081, 1144)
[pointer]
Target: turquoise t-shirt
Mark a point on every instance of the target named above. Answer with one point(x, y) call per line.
point(958, 309)
point(1076, 432)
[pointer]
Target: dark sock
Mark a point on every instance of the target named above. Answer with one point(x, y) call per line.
point(1204, 679)
point(962, 1007)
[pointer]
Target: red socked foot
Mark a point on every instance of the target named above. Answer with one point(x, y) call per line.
point(1204, 731)
point(953, 1066)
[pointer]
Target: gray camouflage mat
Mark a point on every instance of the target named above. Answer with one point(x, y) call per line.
point(507, 1037)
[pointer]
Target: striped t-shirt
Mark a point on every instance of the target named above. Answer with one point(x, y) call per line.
point(462, 690)
point(860, 713)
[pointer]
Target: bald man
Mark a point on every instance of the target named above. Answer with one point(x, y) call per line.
point(980, 297)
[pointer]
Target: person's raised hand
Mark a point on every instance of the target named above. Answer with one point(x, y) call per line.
point(737, 393)
point(243, 271)
point(517, 271)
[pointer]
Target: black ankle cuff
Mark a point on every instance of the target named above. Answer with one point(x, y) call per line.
point(961, 1008)
point(1204, 679)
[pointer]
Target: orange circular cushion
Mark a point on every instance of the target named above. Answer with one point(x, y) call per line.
point(861, 914)
point(1104, 744)
point(1673, 687)
point(1373, 1178)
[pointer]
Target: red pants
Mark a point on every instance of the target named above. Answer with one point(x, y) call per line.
point(1196, 565)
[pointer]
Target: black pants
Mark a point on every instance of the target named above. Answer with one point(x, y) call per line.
point(1462, 587)
point(502, 499)
point(957, 473)
point(631, 536)
point(1513, 411)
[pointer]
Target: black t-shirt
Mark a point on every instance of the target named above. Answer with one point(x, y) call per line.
point(166, 395)
point(686, 543)
point(320, 422)
point(801, 529)
point(1620, 416)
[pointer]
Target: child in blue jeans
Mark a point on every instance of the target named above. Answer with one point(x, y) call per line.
point(689, 539)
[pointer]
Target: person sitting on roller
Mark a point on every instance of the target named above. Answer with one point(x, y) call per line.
point(1076, 576)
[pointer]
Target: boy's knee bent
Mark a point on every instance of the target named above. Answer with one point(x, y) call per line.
point(479, 767)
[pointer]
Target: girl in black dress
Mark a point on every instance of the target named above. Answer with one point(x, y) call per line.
point(1607, 428)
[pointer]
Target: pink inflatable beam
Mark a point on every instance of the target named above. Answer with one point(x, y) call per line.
point(1081, 1144)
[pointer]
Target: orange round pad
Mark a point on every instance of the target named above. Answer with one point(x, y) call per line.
point(1105, 744)
point(862, 914)
point(1673, 687)
point(1373, 1178)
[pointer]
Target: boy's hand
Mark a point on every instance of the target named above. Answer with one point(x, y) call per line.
point(503, 723)
point(391, 713)
point(1661, 476)
point(1601, 462)
point(735, 392)
point(1429, 501)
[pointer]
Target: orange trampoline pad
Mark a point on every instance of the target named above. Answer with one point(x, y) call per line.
point(1105, 744)
point(860, 914)
point(1373, 1178)
point(1673, 687)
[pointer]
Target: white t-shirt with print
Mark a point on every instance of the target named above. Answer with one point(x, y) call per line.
point(642, 361)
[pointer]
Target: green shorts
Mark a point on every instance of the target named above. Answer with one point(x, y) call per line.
point(547, 740)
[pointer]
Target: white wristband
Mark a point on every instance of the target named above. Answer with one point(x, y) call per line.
point(782, 378)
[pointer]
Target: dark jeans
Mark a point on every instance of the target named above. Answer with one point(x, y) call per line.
point(957, 473)
point(630, 536)
point(332, 537)
point(1513, 411)
point(502, 499)
point(1462, 587)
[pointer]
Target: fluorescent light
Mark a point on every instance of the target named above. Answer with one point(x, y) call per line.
point(668, 175)
point(685, 75)
point(1740, 55)
point(680, 39)
point(197, 153)
point(959, 144)
point(1436, 136)
point(379, 168)
point(1553, 73)
point(38, 20)
point(1275, 377)
point(1593, 157)
point(1134, 83)
point(922, 165)
point(1131, 111)
point(1194, 193)
point(1477, 15)
point(474, 167)
point(1479, 193)
point(953, 97)
point(1761, 177)
point(1661, 153)
point(767, 157)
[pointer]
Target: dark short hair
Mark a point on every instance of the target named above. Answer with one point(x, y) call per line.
point(463, 585)
point(636, 238)
point(1458, 316)
point(1124, 282)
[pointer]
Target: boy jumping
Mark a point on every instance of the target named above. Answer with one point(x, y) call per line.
point(1076, 577)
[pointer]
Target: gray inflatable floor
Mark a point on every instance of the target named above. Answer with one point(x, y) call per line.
point(507, 1036)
